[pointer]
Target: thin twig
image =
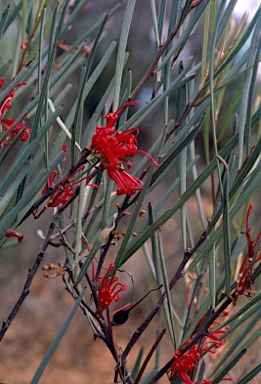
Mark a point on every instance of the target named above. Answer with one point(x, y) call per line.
point(31, 274)
point(106, 247)
point(151, 70)
point(179, 273)
point(80, 162)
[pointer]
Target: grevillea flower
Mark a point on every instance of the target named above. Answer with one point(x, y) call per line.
point(113, 147)
point(184, 363)
point(109, 289)
point(6, 123)
point(215, 334)
point(244, 285)
point(63, 191)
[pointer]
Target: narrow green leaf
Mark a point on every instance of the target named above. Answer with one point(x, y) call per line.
point(120, 255)
point(26, 152)
point(212, 275)
point(45, 85)
point(148, 378)
point(254, 58)
point(92, 80)
point(3, 21)
point(186, 32)
point(56, 341)
point(121, 50)
point(239, 340)
point(147, 110)
point(154, 21)
point(137, 364)
point(168, 213)
point(250, 375)
point(14, 185)
point(229, 366)
point(18, 79)
point(226, 231)
point(73, 15)
point(16, 9)
point(168, 309)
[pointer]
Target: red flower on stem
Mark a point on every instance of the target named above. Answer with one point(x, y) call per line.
point(109, 289)
point(11, 133)
point(50, 182)
point(244, 285)
point(63, 191)
point(113, 147)
point(215, 334)
point(184, 363)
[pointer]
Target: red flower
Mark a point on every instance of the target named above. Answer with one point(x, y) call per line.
point(113, 147)
point(128, 184)
point(63, 191)
point(184, 363)
point(244, 285)
point(109, 289)
point(7, 123)
point(50, 182)
point(26, 134)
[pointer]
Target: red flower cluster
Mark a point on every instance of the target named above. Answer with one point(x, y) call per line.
point(63, 191)
point(184, 363)
point(113, 147)
point(7, 123)
point(109, 289)
point(244, 285)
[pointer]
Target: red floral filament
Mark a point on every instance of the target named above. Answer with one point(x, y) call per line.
point(63, 190)
point(6, 123)
point(184, 363)
point(109, 289)
point(113, 147)
point(244, 285)
point(50, 182)
point(128, 184)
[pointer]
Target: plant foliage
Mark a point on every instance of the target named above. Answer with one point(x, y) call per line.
point(75, 160)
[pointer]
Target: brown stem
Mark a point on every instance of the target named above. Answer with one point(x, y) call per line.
point(146, 361)
point(107, 245)
point(30, 276)
point(80, 162)
point(151, 70)
point(179, 273)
